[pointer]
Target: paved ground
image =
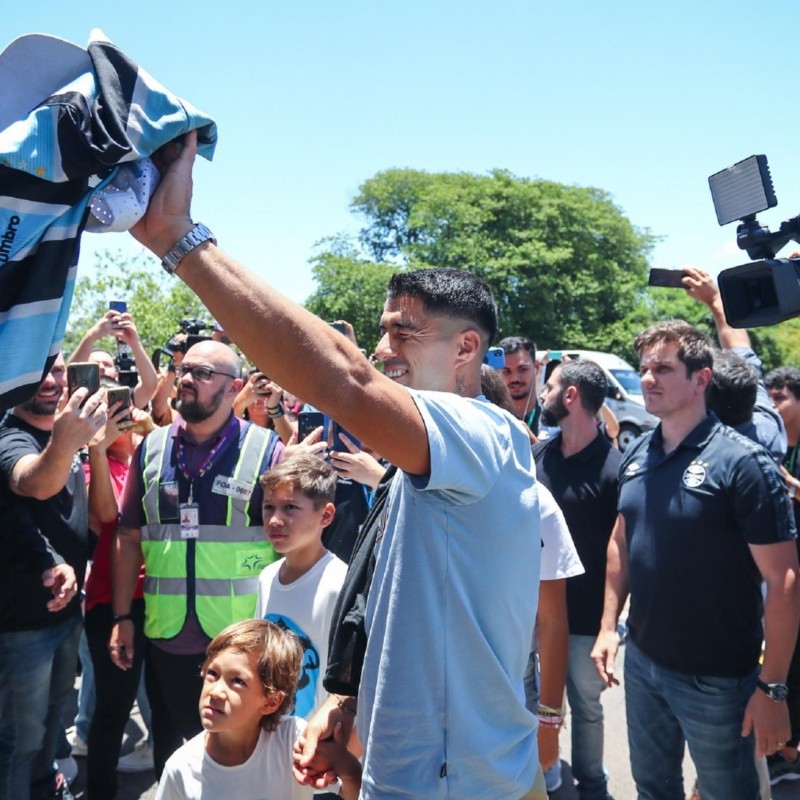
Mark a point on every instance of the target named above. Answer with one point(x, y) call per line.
point(143, 786)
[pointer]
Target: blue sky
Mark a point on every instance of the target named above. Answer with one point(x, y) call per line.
point(643, 100)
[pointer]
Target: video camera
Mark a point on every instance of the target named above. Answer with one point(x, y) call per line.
point(763, 292)
point(192, 329)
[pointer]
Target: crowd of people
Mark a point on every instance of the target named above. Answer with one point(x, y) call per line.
point(397, 603)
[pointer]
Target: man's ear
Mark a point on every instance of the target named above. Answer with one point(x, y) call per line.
point(469, 346)
point(571, 395)
point(703, 378)
point(236, 386)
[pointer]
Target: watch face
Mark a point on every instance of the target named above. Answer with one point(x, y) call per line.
point(778, 692)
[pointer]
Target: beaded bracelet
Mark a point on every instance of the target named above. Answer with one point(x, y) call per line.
point(275, 413)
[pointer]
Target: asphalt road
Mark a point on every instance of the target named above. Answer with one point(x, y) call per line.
point(143, 786)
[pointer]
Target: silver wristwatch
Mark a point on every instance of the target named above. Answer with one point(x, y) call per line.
point(196, 236)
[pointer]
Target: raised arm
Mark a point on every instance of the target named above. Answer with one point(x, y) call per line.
point(701, 286)
point(294, 347)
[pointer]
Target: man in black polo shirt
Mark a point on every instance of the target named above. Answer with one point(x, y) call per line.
point(702, 516)
point(580, 468)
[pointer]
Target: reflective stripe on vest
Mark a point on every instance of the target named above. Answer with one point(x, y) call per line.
point(228, 556)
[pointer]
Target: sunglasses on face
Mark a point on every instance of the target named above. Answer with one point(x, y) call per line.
point(199, 373)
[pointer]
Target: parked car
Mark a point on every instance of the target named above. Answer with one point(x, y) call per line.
point(624, 396)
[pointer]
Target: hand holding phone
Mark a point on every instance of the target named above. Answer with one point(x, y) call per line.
point(123, 394)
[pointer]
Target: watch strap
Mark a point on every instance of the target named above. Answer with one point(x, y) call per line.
point(195, 237)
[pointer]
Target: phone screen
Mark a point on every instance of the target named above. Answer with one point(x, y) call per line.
point(120, 306)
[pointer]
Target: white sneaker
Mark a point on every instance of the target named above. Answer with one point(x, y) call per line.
point(68, 767)
point(79, 747)
point(139, 760)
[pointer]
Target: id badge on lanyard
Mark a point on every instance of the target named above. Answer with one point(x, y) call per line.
point(190, 521)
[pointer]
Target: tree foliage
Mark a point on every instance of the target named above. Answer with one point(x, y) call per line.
point(156, 301)
point(563, 261)
point(351, 288)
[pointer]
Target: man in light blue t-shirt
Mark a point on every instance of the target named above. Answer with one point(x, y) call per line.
point(450, 610)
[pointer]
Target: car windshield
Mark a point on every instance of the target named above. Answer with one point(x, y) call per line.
point(629, 380)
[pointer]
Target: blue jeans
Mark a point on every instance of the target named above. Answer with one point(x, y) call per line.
point(666, 709)
point(86, 694)
point(37, 672)
point(584, 687)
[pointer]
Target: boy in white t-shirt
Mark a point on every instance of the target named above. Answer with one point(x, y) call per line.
point(246, 750)
point(299, 592)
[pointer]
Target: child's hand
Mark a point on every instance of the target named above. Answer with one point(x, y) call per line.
point(316, 772)
point(346, 766)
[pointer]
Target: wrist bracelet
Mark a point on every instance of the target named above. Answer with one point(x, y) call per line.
point(121, 617)
point(551, 722)
point(549, 710)
point(275, 413)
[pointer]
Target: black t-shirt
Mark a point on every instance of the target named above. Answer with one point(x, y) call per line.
point(585, 487)
point(352, 506)
point(690, 517)
point(61, 519)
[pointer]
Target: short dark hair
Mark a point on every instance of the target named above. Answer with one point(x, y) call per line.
point(694, 347)
point(512, 344)
point(303, 473)
point(278, 656)
point(588, 378)
point(450, 292)
point(732, 392)
point(784, 378)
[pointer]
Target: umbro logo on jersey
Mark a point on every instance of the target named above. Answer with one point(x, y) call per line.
point(7, 239)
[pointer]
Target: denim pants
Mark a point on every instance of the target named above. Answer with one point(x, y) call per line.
point(666, 709)
point(37, 672)
point(584, 687)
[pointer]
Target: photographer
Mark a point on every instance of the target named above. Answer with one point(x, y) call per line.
point(121, 327)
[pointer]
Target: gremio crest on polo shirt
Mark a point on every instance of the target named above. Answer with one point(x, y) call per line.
point(695, 474)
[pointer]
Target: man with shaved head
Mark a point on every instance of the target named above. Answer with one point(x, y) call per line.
point(192, 511)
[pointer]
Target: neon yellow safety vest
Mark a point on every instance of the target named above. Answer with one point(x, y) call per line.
point(220, 568)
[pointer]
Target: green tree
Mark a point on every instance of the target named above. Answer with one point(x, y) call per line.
point(349, 287)
point(563, 261)
point(156, 301)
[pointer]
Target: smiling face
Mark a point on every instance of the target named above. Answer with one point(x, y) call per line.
point(418, 349)
point(232, 700)
point(667, 389)
point(45, 402)
point(519, 373)
point(292, 524)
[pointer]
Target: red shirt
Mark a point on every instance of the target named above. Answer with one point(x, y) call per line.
point(98, 585)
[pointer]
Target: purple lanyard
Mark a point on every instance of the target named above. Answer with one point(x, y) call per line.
point(231, 430)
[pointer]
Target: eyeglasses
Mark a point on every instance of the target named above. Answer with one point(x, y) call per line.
point(199, 373)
